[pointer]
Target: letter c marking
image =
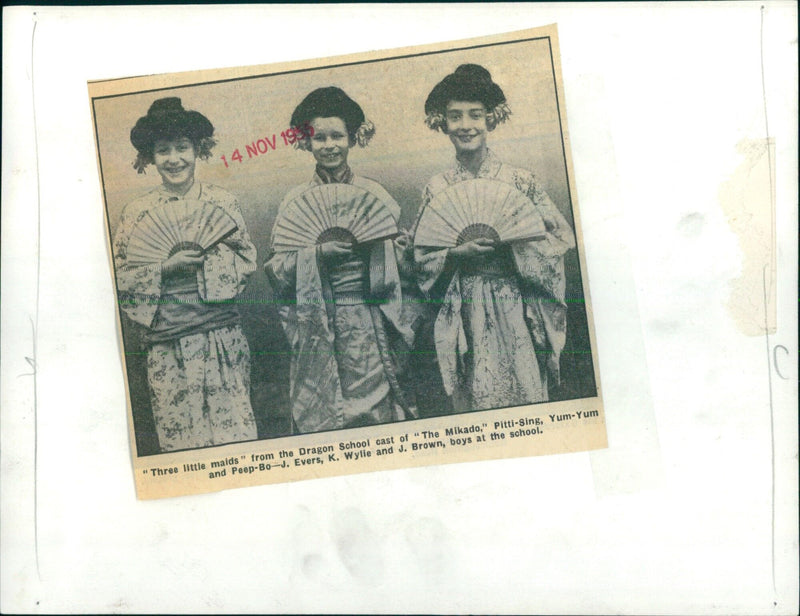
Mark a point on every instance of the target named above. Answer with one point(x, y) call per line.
point(775, 359)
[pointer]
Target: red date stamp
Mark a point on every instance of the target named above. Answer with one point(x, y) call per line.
point(261, 146)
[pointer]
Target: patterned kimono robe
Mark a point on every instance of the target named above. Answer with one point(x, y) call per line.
point(198, 360)
point(502, 322)
point(348, 328)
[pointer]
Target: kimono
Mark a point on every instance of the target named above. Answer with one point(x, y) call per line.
point(349, 330)
point(501, 326)
point(198, 360)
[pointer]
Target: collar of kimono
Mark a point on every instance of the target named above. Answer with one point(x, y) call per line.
point(342, 175)
point(192, 194)
point(489, 167)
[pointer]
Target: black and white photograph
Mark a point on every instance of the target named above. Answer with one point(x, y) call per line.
point(357, 243)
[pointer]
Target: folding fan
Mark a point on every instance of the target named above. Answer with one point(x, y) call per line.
point(181, 225)
point(478, 208)
point(332, 212)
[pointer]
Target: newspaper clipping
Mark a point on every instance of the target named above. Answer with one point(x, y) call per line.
point(346, 265)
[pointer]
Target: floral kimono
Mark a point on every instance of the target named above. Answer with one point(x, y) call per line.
point(348, 328)
point(198, 360)
point(502, 322)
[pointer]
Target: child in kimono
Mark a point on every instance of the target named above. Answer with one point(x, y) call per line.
point(198, 360)
point(342, 302)
point(501, 325)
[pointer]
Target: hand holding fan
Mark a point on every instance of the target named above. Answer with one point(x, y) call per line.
point(478, 208)
point(180, 225)
point(332, 212)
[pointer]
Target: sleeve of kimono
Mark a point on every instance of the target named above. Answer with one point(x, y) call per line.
point(431, 264)
point(138, 287)
point(229, 264)
point(404, 258)
point(540, 262)
point(281, 269)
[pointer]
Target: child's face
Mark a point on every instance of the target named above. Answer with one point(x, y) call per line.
point(330, 142)
point(466, 125)
point(175, 161)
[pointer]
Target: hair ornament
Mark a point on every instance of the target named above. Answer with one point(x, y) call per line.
point(303, 144)
point(498, 115)
point(435, 121)
point(140, 163)
point(365, 133)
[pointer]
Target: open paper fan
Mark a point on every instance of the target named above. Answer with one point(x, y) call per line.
point(332, 212)
point(478, 208)
point(181, 225)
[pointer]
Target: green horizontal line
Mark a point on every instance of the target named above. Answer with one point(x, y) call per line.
point(366, 301)
point(253, 353)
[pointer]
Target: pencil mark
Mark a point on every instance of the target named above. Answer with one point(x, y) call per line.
point(771, 422)
point(764, 280)
point(766, 117)
point(775, 360)
point(748, 201)
point(769, 149)
point(31, 361)
point(35, 320)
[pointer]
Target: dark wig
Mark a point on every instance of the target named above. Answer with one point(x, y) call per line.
point(167, 119)
point(469, 82)
point(333, 102)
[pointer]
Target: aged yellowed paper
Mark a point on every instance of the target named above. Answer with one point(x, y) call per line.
point(349, 264)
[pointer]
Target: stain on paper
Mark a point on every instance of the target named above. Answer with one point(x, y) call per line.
point(357, 545)
point(692, 225)
point(308, 547)
point(427, 539)
point(747, 200)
